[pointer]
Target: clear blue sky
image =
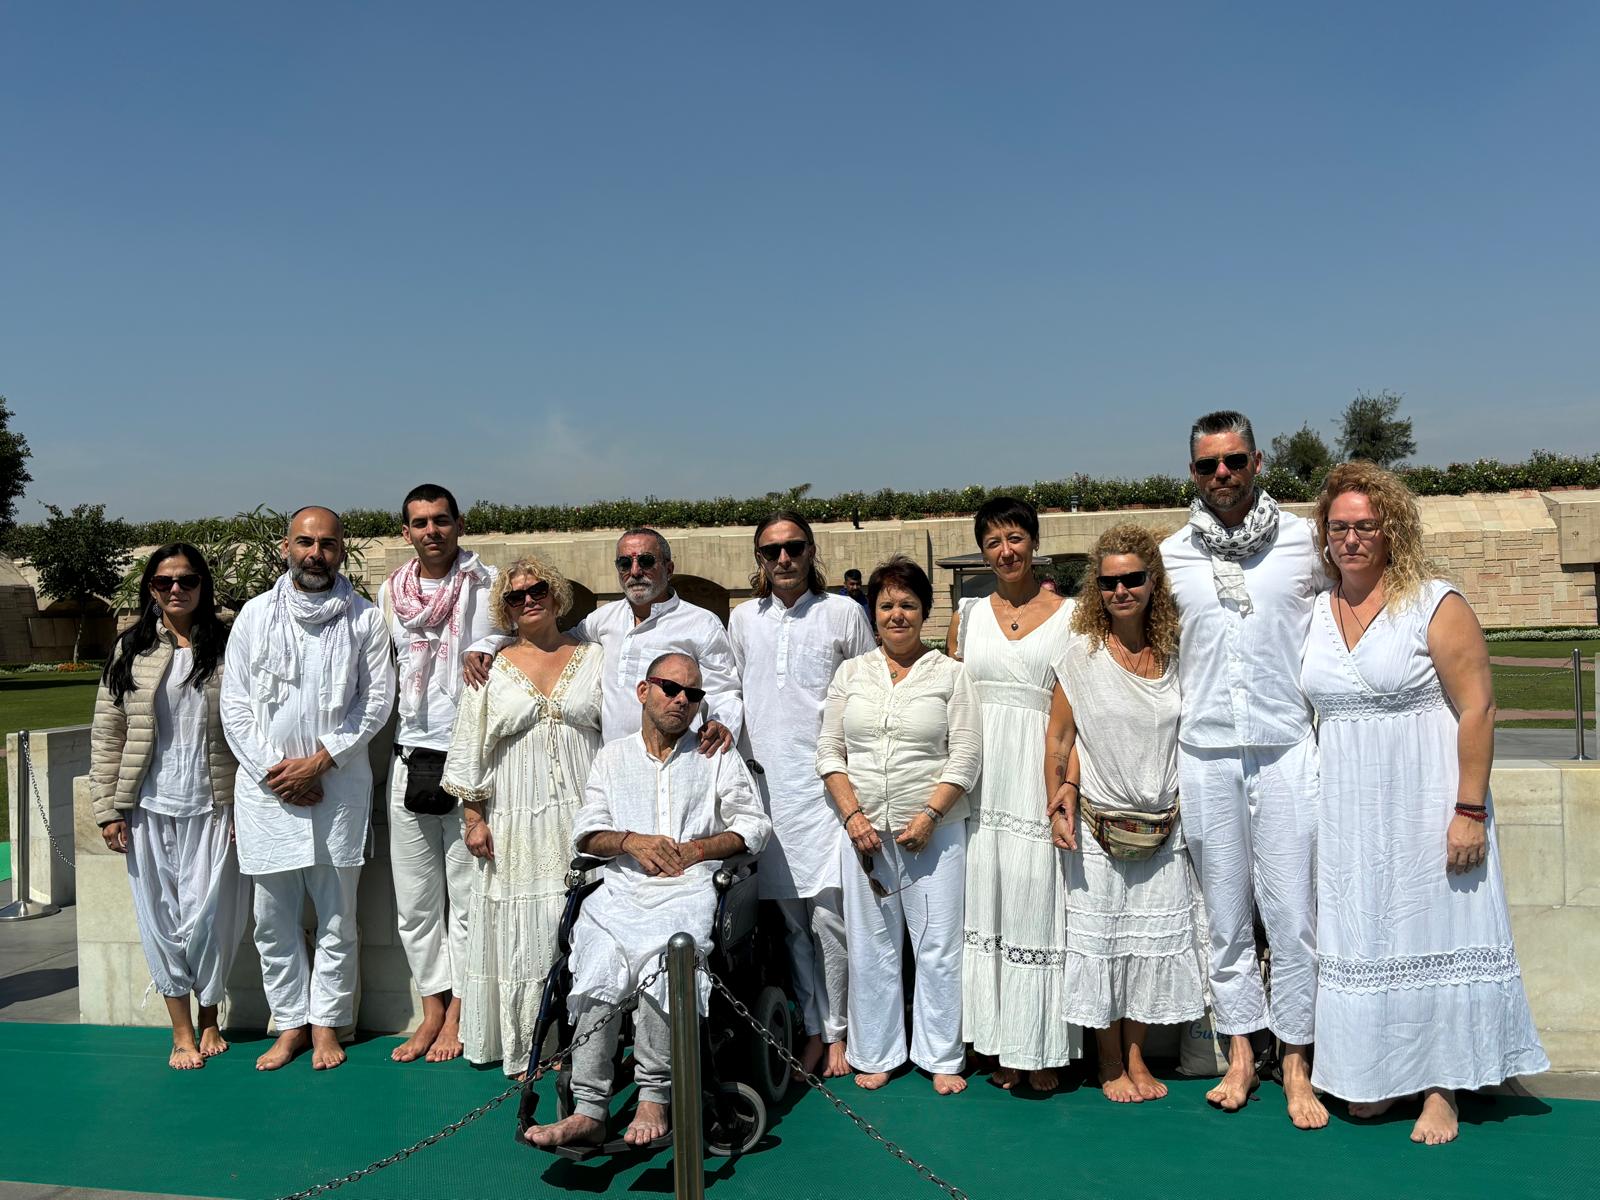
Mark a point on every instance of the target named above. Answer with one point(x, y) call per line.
point(292, 252)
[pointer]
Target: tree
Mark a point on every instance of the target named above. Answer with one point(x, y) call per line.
point(1302, 453)
point(14, 477)
point(1371, 431)
point(80, 555)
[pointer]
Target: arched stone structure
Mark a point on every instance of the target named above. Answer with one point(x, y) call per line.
point(707, 594)
point(583, 603)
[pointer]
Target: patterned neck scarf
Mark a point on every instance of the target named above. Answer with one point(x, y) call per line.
point(433, 624)
point(1229, 547)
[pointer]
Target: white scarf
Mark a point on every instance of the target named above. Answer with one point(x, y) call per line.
point(433, 624)
point(277, 661)
point(1229, 547)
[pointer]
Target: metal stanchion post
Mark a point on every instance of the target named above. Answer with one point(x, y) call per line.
point(1577, 701)
point(688, 1138)
point(23, 906)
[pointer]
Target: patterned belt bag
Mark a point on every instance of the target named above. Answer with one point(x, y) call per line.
point(1128, 833)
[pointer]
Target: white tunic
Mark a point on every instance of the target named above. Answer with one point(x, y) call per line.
point(274, 836)
point(178, 783)
point(1240, 674)
point(1418, 984)
point(673, 625)
point(626, 924)
point(787, 657)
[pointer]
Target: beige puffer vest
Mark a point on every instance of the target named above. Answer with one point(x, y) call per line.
point(122, 741)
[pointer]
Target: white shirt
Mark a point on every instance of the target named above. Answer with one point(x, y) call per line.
point(274, 836)
point(673, 625)
point(429, 720)
point(897, 742)
point(178, 783)
point(1240, 675)
point(787, 657)
point(625, 925)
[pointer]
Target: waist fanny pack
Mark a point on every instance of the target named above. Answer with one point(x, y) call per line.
point(1128, 833)
point(424, 775)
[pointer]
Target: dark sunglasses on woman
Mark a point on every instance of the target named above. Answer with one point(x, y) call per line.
point(1234, 462)
point(520, 596)
point(772, 550)
point(1131, 580)
point(671, 687)
point(165, 583)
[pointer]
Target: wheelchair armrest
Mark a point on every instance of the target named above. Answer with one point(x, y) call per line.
point(587, 862)
point(733, 868)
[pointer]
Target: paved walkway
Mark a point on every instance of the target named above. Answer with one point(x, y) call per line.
point(1549, 664)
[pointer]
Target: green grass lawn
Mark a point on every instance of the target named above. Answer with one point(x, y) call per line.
point(1559, 650)
point(39, 701)
point(1533, 687)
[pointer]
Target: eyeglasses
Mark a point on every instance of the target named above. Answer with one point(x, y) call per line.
point(772, 550)
point(521, 596)
point(671, 687)
point(165, 583)
point(646, 561)
point(878, 889)
point(1365, 530)
point(1234, 462)
point(1129, 580)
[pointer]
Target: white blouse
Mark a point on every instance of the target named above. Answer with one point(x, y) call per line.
point(178, 783)
point(898, 742)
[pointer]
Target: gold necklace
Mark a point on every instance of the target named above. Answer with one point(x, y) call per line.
point(1016, 609)
point(1136, 664)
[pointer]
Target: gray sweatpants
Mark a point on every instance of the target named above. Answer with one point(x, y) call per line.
point(593, 1063)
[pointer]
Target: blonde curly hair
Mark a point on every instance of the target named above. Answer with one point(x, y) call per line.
point(529, 566)
point(1400, 522)
point(1091, 618)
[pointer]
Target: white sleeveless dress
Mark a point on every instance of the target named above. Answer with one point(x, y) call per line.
point(1417, 981)
point(1013, 960)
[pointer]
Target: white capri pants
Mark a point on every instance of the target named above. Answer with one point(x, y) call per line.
point(1250, 821)
point(301, 992)
point(432, 890)
point(929, 902)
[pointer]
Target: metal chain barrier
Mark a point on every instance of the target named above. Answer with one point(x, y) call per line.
point(33, 788)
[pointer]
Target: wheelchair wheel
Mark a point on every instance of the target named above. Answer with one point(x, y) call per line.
point(746, 1125)
point(768, 1071)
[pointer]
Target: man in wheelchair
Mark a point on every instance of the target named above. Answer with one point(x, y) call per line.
point(663, 815)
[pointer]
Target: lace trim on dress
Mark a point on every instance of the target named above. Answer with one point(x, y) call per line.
point(1364, 706)
point(467, 794)
point(991, 818)
point(1026, 956)
point(1475, 964)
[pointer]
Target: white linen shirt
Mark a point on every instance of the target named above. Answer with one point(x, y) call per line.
point(897, 742)
point(429, 720)
point(625, 925)
point(274, 836)
point(178, 783)
point(1240, 674)
point(787, 656)
point(674, 625)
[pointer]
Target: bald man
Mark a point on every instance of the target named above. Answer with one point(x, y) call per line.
point(308, 681)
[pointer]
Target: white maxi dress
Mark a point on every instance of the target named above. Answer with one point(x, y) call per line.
point(526, 756)
point(1013, 960)
point(1417, 980)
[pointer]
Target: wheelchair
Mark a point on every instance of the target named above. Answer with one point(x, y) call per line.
point(741, 1075)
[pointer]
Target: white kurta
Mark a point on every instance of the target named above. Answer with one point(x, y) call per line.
point(525, 757)
point(787, 657)
point(625, 925)
point(673, 625)
point(1418, 981)
point(274, 836)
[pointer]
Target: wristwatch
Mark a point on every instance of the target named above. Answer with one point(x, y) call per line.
point(934, 814)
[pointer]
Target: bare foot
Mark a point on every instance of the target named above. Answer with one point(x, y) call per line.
point(448, 1044)
point(1439, 1122)
point(649, 1123)
point(1044, 1081)
point(326, 1053)
point(576, 1130)
point(1005, 1077)
point(1305, 1110)
point(811, 1056)
point(415, 1046)
point(1233, 1093)
point(1147, 1085)
point(871, 1080)
point(290, 1043)
point(1120, 1090)
point(948, 1085)
point(212, 1043)
point(185, 1057)
point(1366, 1110)
point(835, 1064)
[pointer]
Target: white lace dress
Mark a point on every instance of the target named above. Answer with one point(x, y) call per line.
point(527, 756)
point(1417, 981)
point(1012, 966)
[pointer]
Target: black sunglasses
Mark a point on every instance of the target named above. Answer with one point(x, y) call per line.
point(165, 583)
point(1129, 580)
point(1234, 462)
point(646, 561)
point(671, 687)
point(877, 886)
point(535, 591)
point(772, 550)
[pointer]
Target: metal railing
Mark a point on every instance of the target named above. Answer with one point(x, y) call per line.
point(23, 906)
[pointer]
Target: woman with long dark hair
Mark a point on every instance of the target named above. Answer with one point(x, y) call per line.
point(161, 775)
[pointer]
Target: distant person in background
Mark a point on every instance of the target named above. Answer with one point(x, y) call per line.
point(1419, 990)
point(1049, 585)
point(853, 589)
point(161, 775)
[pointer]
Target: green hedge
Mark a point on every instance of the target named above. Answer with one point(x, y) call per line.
point(1543, 470)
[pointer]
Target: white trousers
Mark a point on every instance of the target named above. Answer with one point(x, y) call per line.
point(432, 890)
point(301, 992)
point(1250, 821)
point(189, 900)
point(928, 900)
point(818, 960)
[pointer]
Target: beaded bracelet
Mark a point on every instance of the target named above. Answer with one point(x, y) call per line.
point(1472, 812)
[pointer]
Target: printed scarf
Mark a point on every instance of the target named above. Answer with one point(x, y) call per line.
point(433, 625)
point(1229, 547)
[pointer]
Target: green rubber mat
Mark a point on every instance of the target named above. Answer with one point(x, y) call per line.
point(5, 861)
point(90, 1106)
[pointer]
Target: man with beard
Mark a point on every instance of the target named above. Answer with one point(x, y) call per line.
point(664, 816)
point(651, 620)
point(307, 683)
point(1245, 578)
